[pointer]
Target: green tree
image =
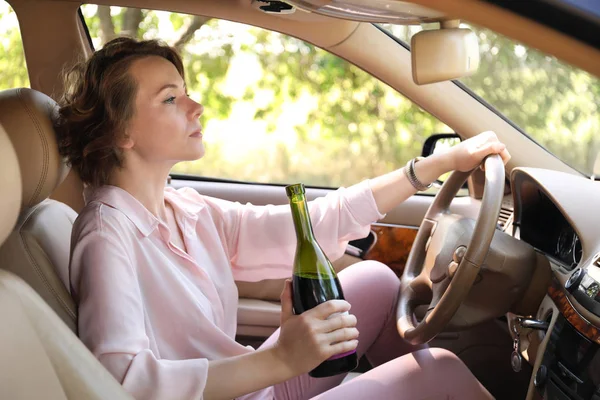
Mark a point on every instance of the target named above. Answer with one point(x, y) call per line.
point(12, 58)
point(363, 132)
point(554, 103)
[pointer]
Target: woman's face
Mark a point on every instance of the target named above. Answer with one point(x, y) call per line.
point(164, 128)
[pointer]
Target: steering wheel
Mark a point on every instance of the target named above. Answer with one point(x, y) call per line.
point(447, 255)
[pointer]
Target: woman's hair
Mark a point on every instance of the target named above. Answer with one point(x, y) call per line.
point(98, 102)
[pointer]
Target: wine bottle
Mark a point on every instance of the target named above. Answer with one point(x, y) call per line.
point(314, 280)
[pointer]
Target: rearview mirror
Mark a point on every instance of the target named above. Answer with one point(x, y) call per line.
point(444, 54)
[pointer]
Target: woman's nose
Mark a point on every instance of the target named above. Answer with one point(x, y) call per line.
point(197, 109)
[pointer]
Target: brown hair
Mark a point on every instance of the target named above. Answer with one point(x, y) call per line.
point(97, 104)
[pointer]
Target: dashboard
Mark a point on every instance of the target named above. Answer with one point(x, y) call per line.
point(545, 227)
point(555, 213)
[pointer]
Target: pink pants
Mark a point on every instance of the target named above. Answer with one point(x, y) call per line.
point(372, 289)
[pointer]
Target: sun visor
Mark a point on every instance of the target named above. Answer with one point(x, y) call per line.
point(443, 54)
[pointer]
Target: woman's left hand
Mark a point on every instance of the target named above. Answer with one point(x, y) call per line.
point(470, 153)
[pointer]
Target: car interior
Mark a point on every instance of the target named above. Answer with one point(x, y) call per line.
point(523, 314)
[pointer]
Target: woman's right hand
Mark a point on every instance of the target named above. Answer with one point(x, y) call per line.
point(308, 339)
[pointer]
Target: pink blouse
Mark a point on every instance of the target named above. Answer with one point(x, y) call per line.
point(155, 315)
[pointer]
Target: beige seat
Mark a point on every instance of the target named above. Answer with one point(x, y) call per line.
point(38, 248)
point(10, 186)
point(40, 358)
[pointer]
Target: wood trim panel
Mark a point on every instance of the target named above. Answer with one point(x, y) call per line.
point(557, 293)
point(392, 247)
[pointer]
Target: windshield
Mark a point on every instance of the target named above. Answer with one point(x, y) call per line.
point(553, 103)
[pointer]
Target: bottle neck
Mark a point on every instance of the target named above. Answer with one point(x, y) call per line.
point(302, 224)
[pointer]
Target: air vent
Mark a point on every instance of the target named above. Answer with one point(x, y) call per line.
point(505, 217)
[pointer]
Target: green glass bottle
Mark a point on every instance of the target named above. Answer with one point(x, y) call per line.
point(314, 280)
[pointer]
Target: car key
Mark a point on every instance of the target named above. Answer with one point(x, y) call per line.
point(515, 358)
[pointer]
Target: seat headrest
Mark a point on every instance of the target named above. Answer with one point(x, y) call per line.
point(27, 116)
point(10, 182)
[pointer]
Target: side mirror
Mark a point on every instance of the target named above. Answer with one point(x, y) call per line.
point(438, 143)
point(444, 54)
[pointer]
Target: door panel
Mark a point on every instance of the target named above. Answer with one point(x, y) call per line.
point(259, 310)
point(408, 214)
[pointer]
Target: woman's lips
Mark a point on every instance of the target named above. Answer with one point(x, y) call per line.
point(196, 134)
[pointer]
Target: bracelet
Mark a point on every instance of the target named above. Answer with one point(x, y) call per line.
point(409, 171)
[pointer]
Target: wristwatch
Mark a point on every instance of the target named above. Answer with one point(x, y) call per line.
point(409, 171)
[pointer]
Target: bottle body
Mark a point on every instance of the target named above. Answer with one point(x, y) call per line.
point(308, 292)
point(314, 280)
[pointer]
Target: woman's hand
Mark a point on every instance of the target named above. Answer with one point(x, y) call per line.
point(308, 339)
point(470, 153)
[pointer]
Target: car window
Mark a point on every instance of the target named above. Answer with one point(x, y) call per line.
point(555, 104)
point(13, 71)
point(278, 109)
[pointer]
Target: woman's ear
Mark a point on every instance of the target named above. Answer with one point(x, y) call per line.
point(126, 142)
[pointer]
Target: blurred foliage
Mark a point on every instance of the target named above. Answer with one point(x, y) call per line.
point(555, 104)
point(13, 72)
point(279, 110)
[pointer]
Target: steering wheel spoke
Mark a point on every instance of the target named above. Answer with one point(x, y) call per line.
point(437, 291)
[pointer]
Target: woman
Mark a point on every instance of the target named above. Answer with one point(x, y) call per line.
point(153, 269)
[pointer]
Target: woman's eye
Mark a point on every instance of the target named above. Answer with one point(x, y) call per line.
point(170, 100)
